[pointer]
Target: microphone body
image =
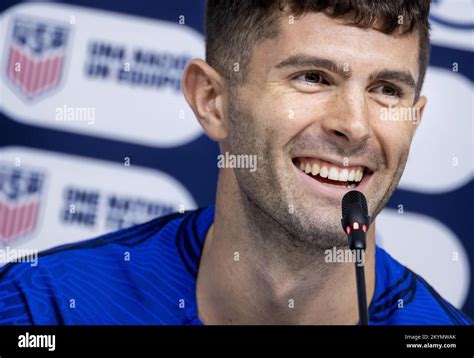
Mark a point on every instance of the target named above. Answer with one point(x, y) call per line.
point(355, 222)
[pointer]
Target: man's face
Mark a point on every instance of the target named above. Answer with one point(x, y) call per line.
point(323, 96)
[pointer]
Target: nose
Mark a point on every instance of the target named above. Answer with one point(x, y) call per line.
point(349, 123)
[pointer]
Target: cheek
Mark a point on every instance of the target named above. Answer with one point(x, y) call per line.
point(271, 122)
point(395, 139)
point(292, 113)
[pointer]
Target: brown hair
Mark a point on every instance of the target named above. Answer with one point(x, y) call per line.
point(234, 27)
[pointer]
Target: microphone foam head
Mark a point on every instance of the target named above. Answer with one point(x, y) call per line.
point(354, 198)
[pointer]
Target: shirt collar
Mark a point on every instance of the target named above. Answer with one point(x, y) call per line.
point(393, 282)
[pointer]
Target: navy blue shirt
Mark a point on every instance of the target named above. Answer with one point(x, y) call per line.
point(147, 274)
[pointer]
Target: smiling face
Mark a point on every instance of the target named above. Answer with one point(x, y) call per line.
point(315, 108)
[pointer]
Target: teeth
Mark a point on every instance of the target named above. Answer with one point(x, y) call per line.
point(344, 175)
point(324, 172)
point(333, 173)
point(351, 175)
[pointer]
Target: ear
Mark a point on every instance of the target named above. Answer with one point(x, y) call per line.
point(419, 107)
point(203, 89)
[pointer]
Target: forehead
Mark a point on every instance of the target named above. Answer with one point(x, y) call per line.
point(322, 36)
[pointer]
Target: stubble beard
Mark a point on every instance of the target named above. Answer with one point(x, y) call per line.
point(278, 211)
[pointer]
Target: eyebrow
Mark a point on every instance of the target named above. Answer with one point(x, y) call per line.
point(302, 60)
point(401, 76)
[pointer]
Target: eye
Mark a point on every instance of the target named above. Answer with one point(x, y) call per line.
point(388, 94)
point(311, 79)
point(389, 90)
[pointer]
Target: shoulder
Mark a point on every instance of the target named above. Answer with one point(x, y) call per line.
point(111, 279)
point(405, 298)
point(115, 246)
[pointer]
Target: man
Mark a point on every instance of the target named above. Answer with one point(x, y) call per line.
point(304, 87)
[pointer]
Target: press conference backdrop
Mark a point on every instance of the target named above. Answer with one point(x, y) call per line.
point(95, 134)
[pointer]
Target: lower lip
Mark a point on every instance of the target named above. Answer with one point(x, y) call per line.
point(332, 191)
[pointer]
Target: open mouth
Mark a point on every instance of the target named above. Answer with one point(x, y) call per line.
point(330, 174)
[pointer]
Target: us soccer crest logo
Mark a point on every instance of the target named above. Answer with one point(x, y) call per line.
point(20, 192)
point(36, 56)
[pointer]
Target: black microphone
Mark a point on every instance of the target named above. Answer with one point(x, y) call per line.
point(355, 223)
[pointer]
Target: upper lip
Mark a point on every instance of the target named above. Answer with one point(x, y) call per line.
point(339, 162)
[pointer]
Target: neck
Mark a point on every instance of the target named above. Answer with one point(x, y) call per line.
point(251, 272)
